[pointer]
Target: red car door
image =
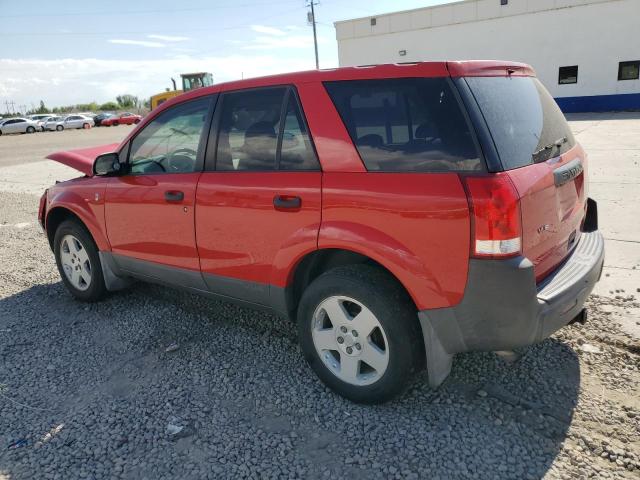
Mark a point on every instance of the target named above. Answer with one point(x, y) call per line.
point(258, 201)
point(149, 210)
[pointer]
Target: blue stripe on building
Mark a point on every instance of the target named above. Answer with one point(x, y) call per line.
point(600, 103)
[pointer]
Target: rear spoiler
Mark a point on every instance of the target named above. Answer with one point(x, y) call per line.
point(82, 159)
point(490, 68)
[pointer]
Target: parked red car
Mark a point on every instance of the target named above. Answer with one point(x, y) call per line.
point(121, 119)
point(399, 213)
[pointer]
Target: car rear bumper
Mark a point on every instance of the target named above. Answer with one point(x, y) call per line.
point(503, 307)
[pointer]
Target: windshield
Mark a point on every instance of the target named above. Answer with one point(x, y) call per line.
point(525, 122)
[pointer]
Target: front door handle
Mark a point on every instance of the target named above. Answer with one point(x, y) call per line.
point(173, 196)
point(287, 202)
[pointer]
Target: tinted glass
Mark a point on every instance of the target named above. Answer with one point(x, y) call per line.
point(413, 124)
point(629, 70)
point(567, 75)
point(248, 134)
point(296, 152)
point(169, 143)
point(523, 119)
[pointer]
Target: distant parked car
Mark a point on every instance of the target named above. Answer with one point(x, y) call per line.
point(122, 119)
point(41, 121)
point(39, 116)
point(77, 121)
point(98, 119)
point(18, 125)
point(53, 123)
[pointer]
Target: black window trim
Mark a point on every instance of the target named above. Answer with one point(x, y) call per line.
point(463, 108)
point(126, 149)
point(625, 64)
point(560, 82)
point(211, 154)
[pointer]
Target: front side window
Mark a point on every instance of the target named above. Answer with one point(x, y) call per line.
point(629, 70)
point(170, 142)
point(406, 124)
point(568, 75)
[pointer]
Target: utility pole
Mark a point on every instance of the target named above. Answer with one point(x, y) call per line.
point(312, 19)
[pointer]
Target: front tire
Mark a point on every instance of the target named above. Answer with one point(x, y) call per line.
point(115, 124)
point(31, 130)
point(359, 332)
point(59, 128)
point(78, 262)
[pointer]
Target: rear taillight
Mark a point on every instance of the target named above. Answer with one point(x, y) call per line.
point(495, 212)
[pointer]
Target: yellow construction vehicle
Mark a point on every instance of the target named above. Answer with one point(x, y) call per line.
point(190, 81)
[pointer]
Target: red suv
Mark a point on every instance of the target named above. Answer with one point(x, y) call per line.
point(400, 214)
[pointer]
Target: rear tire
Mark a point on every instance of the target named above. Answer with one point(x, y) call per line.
point(359, 332)
point(115, 124)
point(59, 128)
point(78, 261)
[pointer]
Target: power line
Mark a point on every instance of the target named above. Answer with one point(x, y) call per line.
point(138, 12)
point(140, 32)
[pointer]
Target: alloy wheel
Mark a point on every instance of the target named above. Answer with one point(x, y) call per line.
point(75, 262)
point(350, 340)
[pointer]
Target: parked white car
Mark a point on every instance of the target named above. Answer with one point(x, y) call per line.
point(53, 123)
point(18, 125)
point(77, 121)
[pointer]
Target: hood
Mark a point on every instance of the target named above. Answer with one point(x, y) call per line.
point(82, 158)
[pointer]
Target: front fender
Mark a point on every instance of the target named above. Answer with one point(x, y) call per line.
point(420, 282)
point(84, 198)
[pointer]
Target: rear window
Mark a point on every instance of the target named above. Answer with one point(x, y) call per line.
point(525, 122)
point(406, 125)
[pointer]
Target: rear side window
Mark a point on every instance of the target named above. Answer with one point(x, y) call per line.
point(525, 122)
point(406, 125)
point(262, 130)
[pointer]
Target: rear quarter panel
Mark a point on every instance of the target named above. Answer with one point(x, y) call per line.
point(416, 225)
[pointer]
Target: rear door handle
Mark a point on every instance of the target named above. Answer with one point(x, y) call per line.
point(173, 196)
point(287, 202)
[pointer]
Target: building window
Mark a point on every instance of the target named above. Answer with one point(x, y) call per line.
point(568, 75)
point(629, 70)
point(373, 22)
point(504, 2)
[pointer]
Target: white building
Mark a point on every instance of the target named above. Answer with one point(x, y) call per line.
point(586, 52)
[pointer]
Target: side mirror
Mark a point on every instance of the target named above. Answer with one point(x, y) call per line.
point(106, 164)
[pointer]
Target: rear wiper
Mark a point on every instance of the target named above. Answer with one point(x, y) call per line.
point(558, 143)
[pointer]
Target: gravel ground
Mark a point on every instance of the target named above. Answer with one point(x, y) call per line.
point(92, 391)
point(154, 383)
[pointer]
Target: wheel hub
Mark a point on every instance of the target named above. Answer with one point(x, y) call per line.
point(348, 341)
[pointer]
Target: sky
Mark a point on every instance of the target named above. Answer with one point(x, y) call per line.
point(79, 51)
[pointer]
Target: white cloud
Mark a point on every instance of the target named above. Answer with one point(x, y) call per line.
point(168, 38)
point(268, 30)
point(139, 43)
point(71, 81)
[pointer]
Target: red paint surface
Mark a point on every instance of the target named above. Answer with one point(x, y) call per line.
point(82, 159)
point(142, 224)
point(241, 234)
point(542, 203)
point(79, 197)
point(416, 225)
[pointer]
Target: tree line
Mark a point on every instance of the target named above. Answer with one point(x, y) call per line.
point(122, 102)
